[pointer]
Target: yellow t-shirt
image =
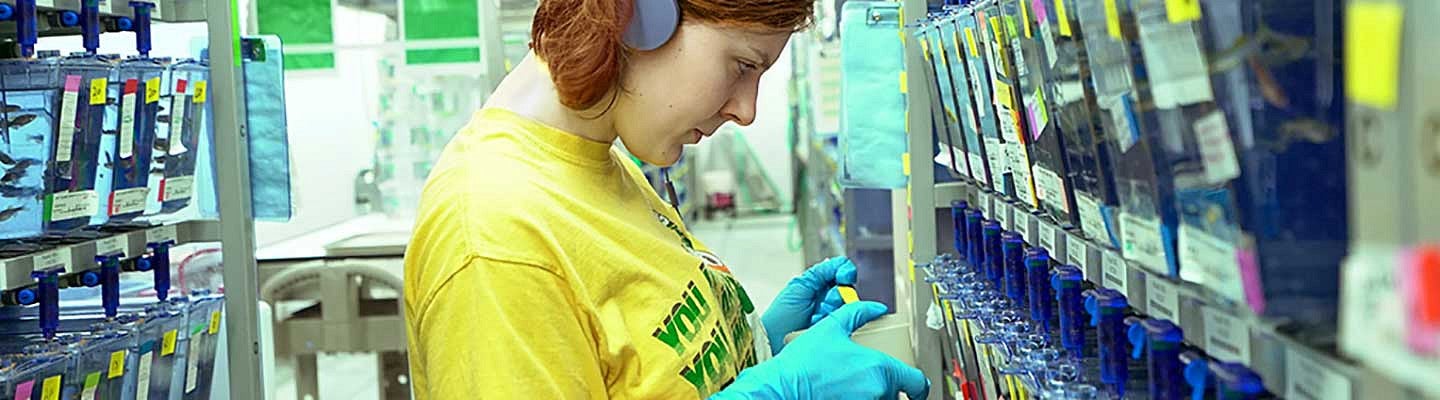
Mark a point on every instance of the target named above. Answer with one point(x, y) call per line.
point(544, 266)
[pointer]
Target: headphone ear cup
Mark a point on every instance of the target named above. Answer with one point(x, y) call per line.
point(652, 24)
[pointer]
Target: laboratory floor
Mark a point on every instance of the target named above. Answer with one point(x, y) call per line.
point(757, 249)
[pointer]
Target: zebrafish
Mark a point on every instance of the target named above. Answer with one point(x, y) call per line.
point(37, 139)
point(5, 158)
point(9, 108)
point(22, 164)
point(10, 212)
point(18, 121)
point(109, 160)
point(13, 191)
point(162, 119)
point(12, 176)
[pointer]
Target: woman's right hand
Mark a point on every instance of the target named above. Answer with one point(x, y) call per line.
point(823, 363)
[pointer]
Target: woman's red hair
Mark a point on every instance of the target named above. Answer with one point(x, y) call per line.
point(580, 40)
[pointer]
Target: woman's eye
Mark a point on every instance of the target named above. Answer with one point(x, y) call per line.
point(746, 67)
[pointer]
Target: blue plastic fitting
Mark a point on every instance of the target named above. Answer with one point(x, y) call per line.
point(1012, 248)
point(1196, 373)
point(109, 283)
point(142, 26)
point(25, 27)
point(993, 260)
point(1235, 381)
point(90, 25)
point(48, 283)
point(974, 250)
point(7, 12)
point(1107, 314)
point(125, 23)
point(159, 256)
point(69, 18)
point(957, 215)
point(26, 296)
point(1042, 296)
point(1163, 341)
point(1068, 282)
point(89, 278)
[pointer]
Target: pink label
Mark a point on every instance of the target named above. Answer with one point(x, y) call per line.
point(1250, 279)
point(23, 390)
point(1041, 14)
point(72, 83)
point(1035, 127)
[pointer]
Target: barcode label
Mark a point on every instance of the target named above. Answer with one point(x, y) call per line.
point(112, 245)
point(1047, 237)
point(1142, 242)
point(59, 257)
point(127, 119)
point(161, 234)
point(1113, 272)
point(1162, 299)
point(1092, 220)
point(1309, 380)
point(142, 389)
point(1077, 253)
point(1226, 338)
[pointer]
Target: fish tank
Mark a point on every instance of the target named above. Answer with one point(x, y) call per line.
point(44, 368)
point(72, 200)
point(960, 76)
point(997, 27)
point(159, 338)
point(184, 120)
point(138, 89)
point(977, 64)
point(204, 322)
point(29, 92)
point(106, 365)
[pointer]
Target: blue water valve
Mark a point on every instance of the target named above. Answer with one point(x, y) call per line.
point(124, 23)
point(993, 261)
point(1012, 268)
point(1042, 297)
point(1068, 283)
point(1196, 373)
point(1107, 308)
point(109, 283)
point(974, 250)
point(7, 12)
point(1235, 381)
point(957, 216)
point(158, 255)
point(69, 18)
point(48, 287)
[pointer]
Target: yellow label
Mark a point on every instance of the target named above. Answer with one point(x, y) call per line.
point(214, 323)
point(199, 92)
point(905, 163)
point(996, 29)
point(50, 389)
point(152, 90)
point(925, 48)
point(955, 37)
point(117, 365)
point(1112, 19)
point(97, 91)
point(167, 345)
point(910, 240)
point(1025, 17)
point(1372, 53)
point(904, 83)
point(1063, 18)
point(970, 42)
point(1002, 94)
point(949, 312)
point(912, 271)
point(1182, 10)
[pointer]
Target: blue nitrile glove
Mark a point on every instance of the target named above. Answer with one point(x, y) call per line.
point(823, 363)
point(806, 299)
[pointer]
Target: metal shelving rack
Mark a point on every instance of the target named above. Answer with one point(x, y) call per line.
point(1286, 366)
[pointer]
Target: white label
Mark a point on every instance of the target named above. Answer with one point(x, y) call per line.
point(1032, 227)
point(68, 101)
point(985, 205)
point(192, 364)
point(1049, 40)
point(1226, 338)
point(1162, 299)
point(1092, 220)
point(89, 392)
point(161, 234)
point(1008, 129)
point(127, 201)
point(1024, 183)
point(1002, 214)
point(1077, 253)
point(70, 205)
point(1178, 72)
point(1047, 237)
point(177, 125)
point(1216, 149)
point(157, 11)
point(977, 168)
point(104, 5)
point(996, 152)
point(1306, 379)
point(127, 120)
point(1020, 68)
point(59, 257)
point(1051, 188)
point(1141, 242)
point(113, 245)
point(1113, 272)
point(178, 188)
point(1125, 134)
point(142, 391)
point(1210, 262)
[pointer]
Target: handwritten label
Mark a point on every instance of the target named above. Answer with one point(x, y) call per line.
point(126, 201)
point(59, 257)
point(1092, 219)
point(192, 364)
point(70, 205)
point(1162, 298)
point(1113, 272)
point(152, 90)
point(1216, 150)
point(1142, 243)
point(1210, 262)
point(117, 365)
point(177, 126)
point(161, 234)
point(199, 92)
point(1077, 253)
point(69, 100)
point(1226, 338)
point(1306, 379)
point(167, 344)
point(1047, 236)
point(98, 88)
point(127, 119)
point(142, 390)
point(113, 245)
point(977, 169)
point(178, 188)
point(1051, 188)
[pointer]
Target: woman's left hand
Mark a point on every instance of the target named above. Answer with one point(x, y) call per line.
point(806, 299)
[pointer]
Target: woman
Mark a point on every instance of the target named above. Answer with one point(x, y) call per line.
point(544, 266)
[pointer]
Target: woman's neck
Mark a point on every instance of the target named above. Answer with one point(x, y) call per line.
point(527, 90)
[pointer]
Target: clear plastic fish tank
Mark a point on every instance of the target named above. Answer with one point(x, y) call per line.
point(72, 200)
point(29, 92)
point(159, 338)
point(106, 363)
point(205, 313)
point(185, 119)
point(138, 87)
point(34, 368)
